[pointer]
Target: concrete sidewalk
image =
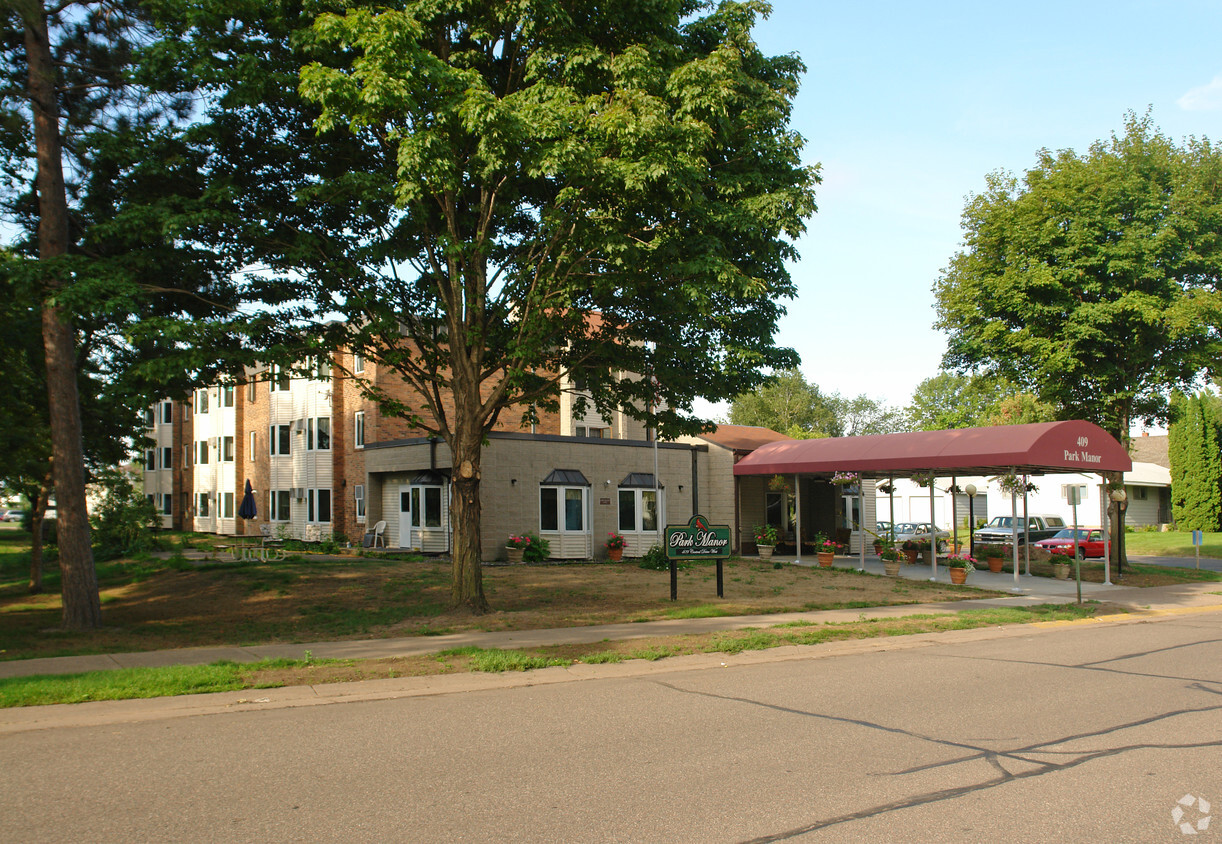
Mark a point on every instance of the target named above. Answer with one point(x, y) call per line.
point(1035, 590)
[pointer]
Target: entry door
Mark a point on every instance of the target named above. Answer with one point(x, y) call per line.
point(405, 516)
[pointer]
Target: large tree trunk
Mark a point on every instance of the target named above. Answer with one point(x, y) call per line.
point(467, 590)
point(82, 608)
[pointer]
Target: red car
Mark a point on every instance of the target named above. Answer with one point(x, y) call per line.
point(1090, 543)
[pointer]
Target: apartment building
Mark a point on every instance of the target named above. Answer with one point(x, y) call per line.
point(324, 460)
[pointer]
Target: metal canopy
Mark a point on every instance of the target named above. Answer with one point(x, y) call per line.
point(1073, 446)
point(565, 477)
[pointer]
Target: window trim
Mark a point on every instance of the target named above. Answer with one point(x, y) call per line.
point(358, 429)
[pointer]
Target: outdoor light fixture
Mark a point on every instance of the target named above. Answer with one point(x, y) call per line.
point(513, 481)
point(1119, 495)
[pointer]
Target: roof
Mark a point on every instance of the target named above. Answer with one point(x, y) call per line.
point(1073, 446)
point(1148, 474)
point(565, 477)
point(743, 437)
point(1150, 449)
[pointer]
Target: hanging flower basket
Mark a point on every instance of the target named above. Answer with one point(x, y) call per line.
point(845, 478)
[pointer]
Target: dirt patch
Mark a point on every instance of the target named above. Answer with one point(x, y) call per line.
point(330, 599)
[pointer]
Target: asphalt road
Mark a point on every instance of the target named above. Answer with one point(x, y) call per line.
point(1083, 733)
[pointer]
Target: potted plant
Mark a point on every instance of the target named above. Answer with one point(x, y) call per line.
point(922, 548)
point(826, 550)
point(960, 566)
point(516, 547)
point(910, 551)
point(765, 541)
point(891, 560)
point(1060, 566)
point(994, 555)
point(615, 547)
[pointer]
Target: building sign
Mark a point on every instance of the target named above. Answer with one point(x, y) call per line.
point(1082, 454)
point(697, 539)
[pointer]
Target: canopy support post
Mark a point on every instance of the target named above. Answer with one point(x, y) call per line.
point(1014, 528)
point(933, 532)
point(1107, 530)
point(797, 509)
point(1026, 530)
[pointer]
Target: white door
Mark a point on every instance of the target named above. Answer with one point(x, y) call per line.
point(405, 516)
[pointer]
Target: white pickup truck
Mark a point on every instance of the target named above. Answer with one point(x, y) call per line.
point(1005, 529)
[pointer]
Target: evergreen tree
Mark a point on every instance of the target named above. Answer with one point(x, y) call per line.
point(1196, 466)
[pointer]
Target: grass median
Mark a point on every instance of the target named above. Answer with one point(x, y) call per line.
point(132, 683)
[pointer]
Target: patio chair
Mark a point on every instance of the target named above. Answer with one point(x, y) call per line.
point(379, 534)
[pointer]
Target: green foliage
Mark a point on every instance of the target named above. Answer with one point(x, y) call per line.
point(1196, 465)
point(953, 400)
point(1091, 283)
point(788, 404)
point(538, 550)
point(124, 519)
point(655, 559)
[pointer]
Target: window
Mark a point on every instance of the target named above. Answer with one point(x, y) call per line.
point(186, 454)
point(201, 505)
point(318, 434)
point(150, 460)
point(227, 505)
point(358, 493)
point(278, 380)
point(167, 457)
point(279, 507)
point(251, 392)
point(279, 438)
point(167, 412)
point(201, 452)
point(852, 512)
point(777, 510)
point(1139, 493)
point(426, 506)
point(152, 499)
point(590, 431)
point(562, 506)
point(227, 396)
point(318, 367)
point(226, 449)
point(638, 510)
point(167, 504)
point(150, 417)
point(358, 363)
point(318, 506)
point(358, 425)
point(201, 401)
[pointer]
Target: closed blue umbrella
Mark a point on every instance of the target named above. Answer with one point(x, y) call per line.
point(248, 510)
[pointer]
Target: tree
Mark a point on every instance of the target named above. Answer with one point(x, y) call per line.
point(1094, 283)
point(1196, 463)
point(527, 192)
point(789, 404)
point(89, 179)
point(785, 403)
point(955, 400)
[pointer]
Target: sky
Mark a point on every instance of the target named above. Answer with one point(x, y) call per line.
point(907, 107)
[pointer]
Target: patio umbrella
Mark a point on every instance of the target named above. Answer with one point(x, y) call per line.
point(248, 510)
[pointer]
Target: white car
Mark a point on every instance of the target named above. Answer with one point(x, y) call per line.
point(905, 531)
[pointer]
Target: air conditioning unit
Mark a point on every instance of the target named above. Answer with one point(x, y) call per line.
point(212, 441)
point(299, 425)
point(299, 492)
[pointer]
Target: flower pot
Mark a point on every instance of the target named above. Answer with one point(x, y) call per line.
point(958, 575)
point(995, 564)
point(615, 554)
point(891, 567)
point(765, 551)
point(911, 555)
point(515, 554)
point(825, 559)
point(878, 548)
point(1060, 571)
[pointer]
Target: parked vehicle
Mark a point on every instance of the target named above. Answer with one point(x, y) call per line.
point(917, 531)
point(1005, 529)
point(1090, 543)
point(10, 515)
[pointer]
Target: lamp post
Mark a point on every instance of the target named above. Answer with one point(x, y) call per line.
point(970, 489)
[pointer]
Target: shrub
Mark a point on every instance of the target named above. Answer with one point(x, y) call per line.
point(123, 522)
point(655, 559)
point(537, 550)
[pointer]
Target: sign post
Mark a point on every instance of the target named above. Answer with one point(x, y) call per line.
point(1198, 539)
point(696, 540)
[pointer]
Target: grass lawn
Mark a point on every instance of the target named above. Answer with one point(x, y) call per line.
point(1174, 543)
point(150, 604)
point(228, 676)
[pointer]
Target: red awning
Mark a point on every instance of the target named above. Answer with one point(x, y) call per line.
point(1028, 449)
